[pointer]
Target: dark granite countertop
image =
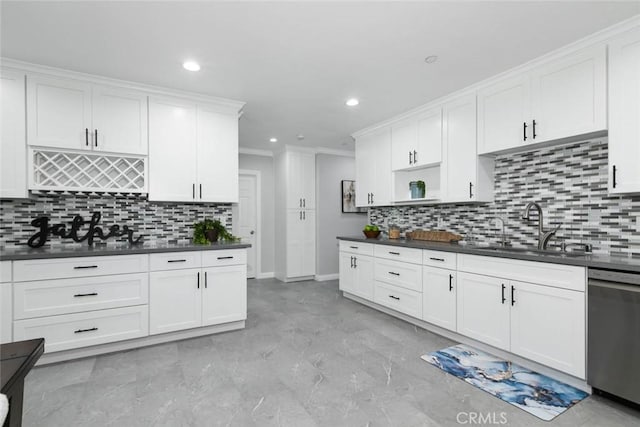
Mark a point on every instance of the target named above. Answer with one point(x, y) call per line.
point(609, 262)
point(104, 250)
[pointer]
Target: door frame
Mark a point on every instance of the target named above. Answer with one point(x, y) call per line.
point(234, 212)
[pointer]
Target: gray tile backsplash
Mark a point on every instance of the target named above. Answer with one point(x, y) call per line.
point(570, 183)
point(160, 222)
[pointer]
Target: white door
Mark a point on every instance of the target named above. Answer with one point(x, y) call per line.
point(429, 149)
point(172, 151)
point(217, 156)
point(624, 113)
point(570, 95)
point(308, 238)
point(347, 277)
point(547, 325)
point(224, 296)
point(248, 219)
point(175, 300)
point(381, 191)
point(439, 297)
point(404, 144)
point(504, 115)
point(364, 284)
point(13, 149)
point(119, 121)
point(365, 170)
point(459, 138)
point(483, 309)
point(58, 112)
point(294, 243)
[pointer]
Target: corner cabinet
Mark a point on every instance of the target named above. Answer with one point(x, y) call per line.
point(13, 150)
point(193, 152)
point(373, 168)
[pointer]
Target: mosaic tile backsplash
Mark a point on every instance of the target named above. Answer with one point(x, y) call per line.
point(569, 182)
point(158, 222)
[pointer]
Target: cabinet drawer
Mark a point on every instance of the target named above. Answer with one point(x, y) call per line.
point(356, 247)
point(398, 273)
point(543, 273)
point(65, 296)
point(85, 329)
point(398, 253)
point(62, 268)
point(175, 261)
point(400, 299)
point(5, 271)
point(224, 257)
point(439, 259)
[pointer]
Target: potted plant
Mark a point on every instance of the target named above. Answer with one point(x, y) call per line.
point(418, 189)
point(209, 231)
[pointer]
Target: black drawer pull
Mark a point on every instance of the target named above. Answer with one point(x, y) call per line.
point(177, 260)
point(79, 331)
point(82, 267)
point(205, 280)
point(225, 257)
point(450, 282)
point(394, 273)
point(92, 294)
point(353, 247)
point(503, 298)
point(394, 297)
point(513, 295)
point(437, 259)
point(394, 253)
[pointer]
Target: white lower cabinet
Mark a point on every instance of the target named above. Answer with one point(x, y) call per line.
point(224, 297)
point(439, 297)
point(356, 274)
point(175, 300)
point(399, 299)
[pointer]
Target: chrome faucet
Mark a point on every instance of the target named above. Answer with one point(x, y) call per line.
point(543, 236)
point(503, 240)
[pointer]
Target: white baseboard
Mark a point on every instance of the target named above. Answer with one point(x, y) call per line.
point(325, 277)
point(267, 275)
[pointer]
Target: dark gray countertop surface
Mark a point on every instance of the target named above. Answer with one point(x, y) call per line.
point(609, 262)
point(105, 250)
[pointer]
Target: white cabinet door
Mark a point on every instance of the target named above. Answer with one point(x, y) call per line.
point(217, 156)
point(624, 113)
point(347, 279)
point(364, 281)
point(504, 115)
point(483, 309)
point(404, 144)
point(308, 180)
point(365, 170)
point(295, 245)
point(58, 112)
point(224, 296)
point(308, 238)
point(459, 130)
point(175, 300)
point(548, 326)
point(301, 178)
point(13, 148)
point(381, 191)
point(119, 121)
point(439, 297)
point(429, 149)
point(570, 95)
point(172, 151)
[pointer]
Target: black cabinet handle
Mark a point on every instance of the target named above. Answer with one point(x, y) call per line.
point(300, 203)
point(86, 136)
point(84, 267)
point(79, 331)
point(351, 262)
point(198, 280)
point(503, 298)
point(513, 295)
point(415, 156)
point(371, 198)
point(471, 190)
point(450, 282)
point(201, 191)
point(177, 260)
point(300, 215)
point(394, 273)
point(534, 130)
point(524, 131)
point(92, 294)
point(355, 262)
point(437, 259)
point(304, 215)
point(225, 257)
point(205, 279)
point(394, 297)
point(193, 191)
point(410, 159)
point(353, 247)
point(96, 138)
point(614, 176)
point(304, 203)
point(394, 253)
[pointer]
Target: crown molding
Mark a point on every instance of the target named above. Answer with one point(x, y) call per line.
point(255, 152)
point(335, 152)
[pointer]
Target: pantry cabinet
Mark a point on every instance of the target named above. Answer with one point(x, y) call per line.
point(13, 150)
point(624, 113)
point(373, 168)
point(301, 243)
point(301, 173)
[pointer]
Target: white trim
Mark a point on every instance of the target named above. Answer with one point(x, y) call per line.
point(61, 356)
point(255, 152)
point(602, 36)
point(268, 275)
point(258, 175)
point(335, 152)
point(326, 277)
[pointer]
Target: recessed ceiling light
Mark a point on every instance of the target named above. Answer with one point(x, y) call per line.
point(273, 139)
point(191, 66)
point(352, 102)
point(431, 59)
point(300, 137)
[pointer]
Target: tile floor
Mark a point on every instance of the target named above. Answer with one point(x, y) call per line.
point(308, 357)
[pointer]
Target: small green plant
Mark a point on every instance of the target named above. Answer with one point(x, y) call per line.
point(421, 186)
point(200, 232)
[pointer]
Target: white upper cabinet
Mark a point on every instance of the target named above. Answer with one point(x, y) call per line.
point(404, 142)
point(373, 168)
point(417, 142)
point(119, 120)
point(365, 169)
point(13, 156)
point(569, 95)
point(301, 173)
point(624, 113)
point(504, 112)
point(58, 112)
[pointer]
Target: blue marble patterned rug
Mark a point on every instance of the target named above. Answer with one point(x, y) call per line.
point(535, 393)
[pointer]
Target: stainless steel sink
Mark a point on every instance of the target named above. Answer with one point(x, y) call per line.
point(531, 251)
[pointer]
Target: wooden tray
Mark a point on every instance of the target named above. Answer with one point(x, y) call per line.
point(434, 236)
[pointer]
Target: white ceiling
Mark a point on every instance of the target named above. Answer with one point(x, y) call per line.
point(295, 63)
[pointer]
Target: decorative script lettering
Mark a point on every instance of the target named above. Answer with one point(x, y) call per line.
point(45, 230)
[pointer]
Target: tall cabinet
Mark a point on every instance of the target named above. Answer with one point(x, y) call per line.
point(13, 150)
point(295, 215)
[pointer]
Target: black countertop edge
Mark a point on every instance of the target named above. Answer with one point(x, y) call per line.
point(87, 251)
point(608, 262)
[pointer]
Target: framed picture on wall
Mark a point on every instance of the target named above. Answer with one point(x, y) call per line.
point(349, 197)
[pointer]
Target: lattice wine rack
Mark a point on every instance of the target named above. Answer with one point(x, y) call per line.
point(82, 172)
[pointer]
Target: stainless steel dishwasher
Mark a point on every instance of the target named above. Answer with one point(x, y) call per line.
point(613, 355)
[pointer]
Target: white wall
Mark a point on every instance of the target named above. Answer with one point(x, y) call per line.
point(331, 222)
point(267, 235)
